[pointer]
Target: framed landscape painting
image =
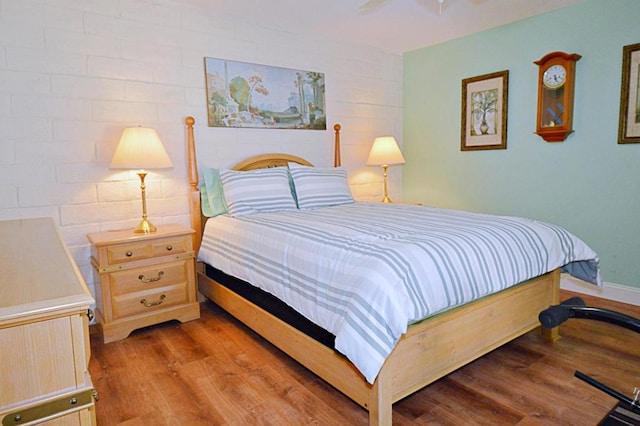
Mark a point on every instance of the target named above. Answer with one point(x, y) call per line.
point(484, 112)
point(241, 94)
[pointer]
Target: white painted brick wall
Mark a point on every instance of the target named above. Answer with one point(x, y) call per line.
point(74, 74)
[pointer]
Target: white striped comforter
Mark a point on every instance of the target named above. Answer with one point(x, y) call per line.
point(365, 271)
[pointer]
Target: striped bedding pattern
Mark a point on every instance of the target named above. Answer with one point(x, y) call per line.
point(366, 271)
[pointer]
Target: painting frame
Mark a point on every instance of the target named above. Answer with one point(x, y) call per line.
point(629, 123)
point(484, 111)
point(250, 95)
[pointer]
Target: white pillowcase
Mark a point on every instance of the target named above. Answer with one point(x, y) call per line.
point(257, 191)
point(320, 186)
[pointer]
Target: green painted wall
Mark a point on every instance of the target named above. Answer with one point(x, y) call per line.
point(589, 183)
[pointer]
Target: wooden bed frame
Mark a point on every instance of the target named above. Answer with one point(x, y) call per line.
point(428, 351)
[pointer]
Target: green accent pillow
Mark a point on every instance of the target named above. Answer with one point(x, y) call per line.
point(211, 194)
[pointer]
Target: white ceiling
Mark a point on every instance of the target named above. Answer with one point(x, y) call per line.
point(393, 25)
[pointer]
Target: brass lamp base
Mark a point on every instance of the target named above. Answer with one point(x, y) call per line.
point(145, 227)
point(386, 198)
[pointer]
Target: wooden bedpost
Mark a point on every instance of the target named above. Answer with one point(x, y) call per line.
point(194, 192)
point(553, 334)
point(381, 399)
point(336, 149)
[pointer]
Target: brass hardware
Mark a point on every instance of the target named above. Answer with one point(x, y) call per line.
point(90, 314)
point(129, 254)
point(108, 269)
point(95, 395)
point(150, 304)
point(152, 279)
point(169, 247)
point(189, 255)
point(50, 408)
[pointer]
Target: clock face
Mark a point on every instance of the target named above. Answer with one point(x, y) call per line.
point(554, 76)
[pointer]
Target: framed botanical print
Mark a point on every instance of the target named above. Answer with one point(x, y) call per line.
point(629, 126)
point(484, 112)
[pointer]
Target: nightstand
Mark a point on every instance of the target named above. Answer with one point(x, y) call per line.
point(143, 279)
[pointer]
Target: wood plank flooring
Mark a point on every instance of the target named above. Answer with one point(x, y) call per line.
point(215, 371)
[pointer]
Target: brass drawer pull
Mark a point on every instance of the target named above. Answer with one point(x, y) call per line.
point(129, 254)
point(152, 279)
point(150, 304)
point(169, 247)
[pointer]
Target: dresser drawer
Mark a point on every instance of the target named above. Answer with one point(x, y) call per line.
point(131, 252)
point(142, 302)
point(150, 277)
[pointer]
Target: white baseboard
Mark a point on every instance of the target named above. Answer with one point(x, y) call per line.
point(617, 292)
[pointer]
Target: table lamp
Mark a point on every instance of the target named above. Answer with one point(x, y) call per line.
point(385, 153)
point(141, 149)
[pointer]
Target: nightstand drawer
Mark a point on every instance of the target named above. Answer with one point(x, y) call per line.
point(143, 250)
point(143, 302)
point(150, 277)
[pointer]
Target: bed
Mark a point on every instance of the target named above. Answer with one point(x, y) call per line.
point(427, 350)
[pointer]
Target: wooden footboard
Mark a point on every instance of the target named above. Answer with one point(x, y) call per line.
point(441, 344)
point(429, 350)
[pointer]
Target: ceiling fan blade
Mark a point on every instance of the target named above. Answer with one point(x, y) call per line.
point(372, 4)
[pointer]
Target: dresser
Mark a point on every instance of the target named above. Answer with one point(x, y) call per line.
point(44, 329)
point(143, 279)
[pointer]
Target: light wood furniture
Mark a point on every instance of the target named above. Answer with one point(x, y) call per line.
point(428, 351)
point(143, 279)
point(44, 329)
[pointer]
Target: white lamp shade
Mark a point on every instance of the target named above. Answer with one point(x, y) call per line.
point(140, 148)
point(385, 152)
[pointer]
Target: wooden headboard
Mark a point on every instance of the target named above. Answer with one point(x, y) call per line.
point(269, 160)
point(251, 163)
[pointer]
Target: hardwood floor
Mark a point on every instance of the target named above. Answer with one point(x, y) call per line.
point(215, 371)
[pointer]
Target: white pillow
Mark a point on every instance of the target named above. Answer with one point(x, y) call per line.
point(320, 186)
point(257, 191)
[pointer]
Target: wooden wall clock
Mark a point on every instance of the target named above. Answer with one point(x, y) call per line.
point(556, 84)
